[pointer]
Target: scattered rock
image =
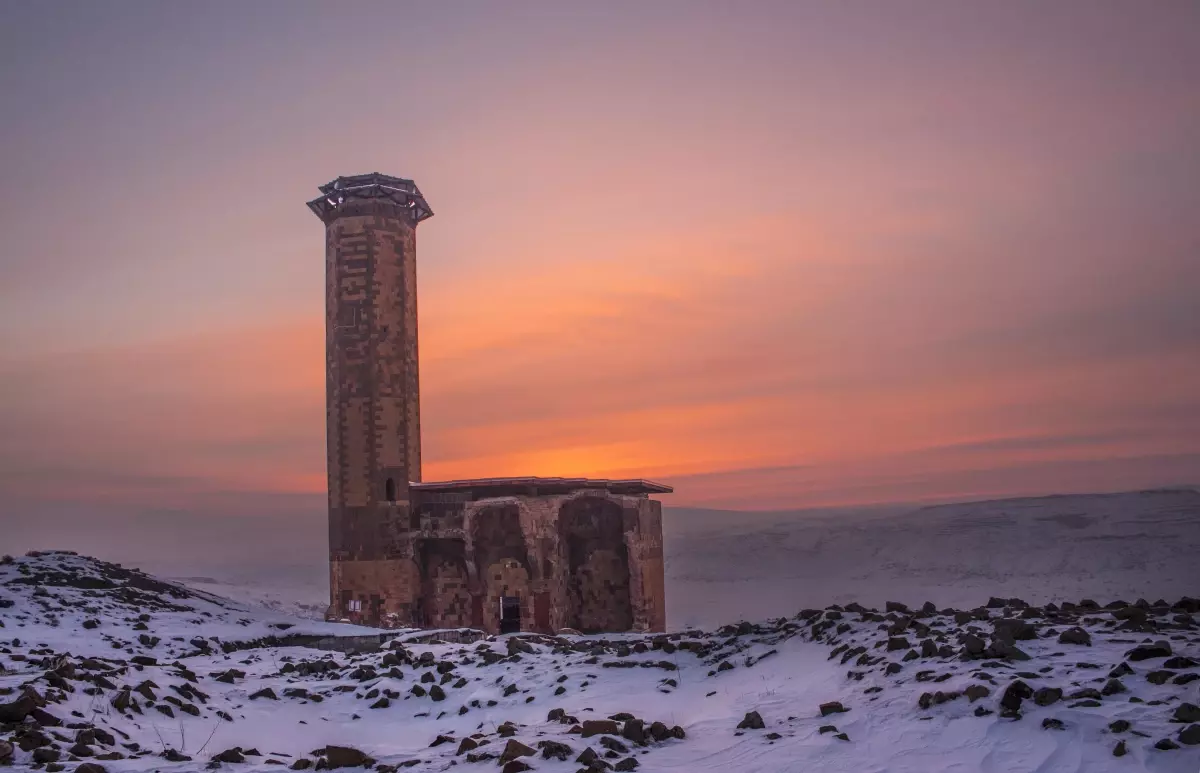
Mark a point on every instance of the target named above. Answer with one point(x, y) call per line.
point(1147, 651)
point(1121, 670)
point(233, 755)
point(346, 757)
point(1013, 695)
point(833, 707)
point(752, 721)
point(515, 766)
point(593, 727)
point(514, 749)
point(1047, 696)
point(1160, 676)
point(976, 691)
point(1075, 636)
point(1009, 629)
point(555, 749)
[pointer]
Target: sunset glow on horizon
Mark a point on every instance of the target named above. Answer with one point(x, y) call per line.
point(817, 254)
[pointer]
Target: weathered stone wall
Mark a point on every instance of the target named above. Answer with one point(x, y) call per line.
point(385, 589)
point(588, 560)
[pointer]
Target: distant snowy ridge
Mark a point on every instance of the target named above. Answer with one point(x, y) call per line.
point(1041, 549)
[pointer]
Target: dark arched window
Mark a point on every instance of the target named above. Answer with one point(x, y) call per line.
point(389, 490)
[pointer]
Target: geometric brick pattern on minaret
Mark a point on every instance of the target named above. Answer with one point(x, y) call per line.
point(373, 425)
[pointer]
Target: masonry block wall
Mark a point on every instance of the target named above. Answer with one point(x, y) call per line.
point(587, 559)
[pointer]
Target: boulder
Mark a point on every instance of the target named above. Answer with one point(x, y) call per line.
point(975, 692)
point(16, 711)
point(346, 757)
point(44, 755)
point(1120, 670)
point(515, 766)
point(1147, 651)
point(1010, 629)
point(833, 707)
point(1047, 696)
point(613, 744)
point(1134, 614)
point(555, 749)
point(1013, 695)
point(593, 727)
point(752, 721)
point(1160, 676)
point(230, 755)
point(973, 646)
point(1075, 635)
point(634, 730)
point(1187, 712)
point(1001, 648)
point(514, 748)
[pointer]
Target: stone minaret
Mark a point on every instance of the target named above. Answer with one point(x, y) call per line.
point(373, 418)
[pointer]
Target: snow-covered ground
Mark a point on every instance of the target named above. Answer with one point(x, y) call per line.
point(1009, 687)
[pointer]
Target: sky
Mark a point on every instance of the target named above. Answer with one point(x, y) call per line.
point(775, 254)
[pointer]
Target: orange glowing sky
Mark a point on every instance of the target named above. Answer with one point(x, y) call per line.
point(777, 255)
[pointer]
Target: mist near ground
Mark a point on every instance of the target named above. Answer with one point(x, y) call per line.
point(723, 565)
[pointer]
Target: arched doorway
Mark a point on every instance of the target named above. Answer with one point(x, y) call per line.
point(447, 596)
point(503, 564)
point(592, 532)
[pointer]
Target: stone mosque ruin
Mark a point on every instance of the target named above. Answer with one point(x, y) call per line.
point(498, 554)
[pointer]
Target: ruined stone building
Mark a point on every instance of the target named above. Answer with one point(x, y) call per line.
point(500, 554)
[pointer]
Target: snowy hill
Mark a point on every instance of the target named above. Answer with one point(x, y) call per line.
point(103, 668)
point(1042, 549)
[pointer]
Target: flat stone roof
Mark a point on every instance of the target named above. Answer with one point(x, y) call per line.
point(533, 486)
